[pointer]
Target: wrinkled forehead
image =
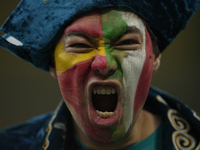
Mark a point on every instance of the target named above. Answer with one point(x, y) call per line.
point(114, 21)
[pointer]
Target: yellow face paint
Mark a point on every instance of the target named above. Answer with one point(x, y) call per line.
point(65, 60)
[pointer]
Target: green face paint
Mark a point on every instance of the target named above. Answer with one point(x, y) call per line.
point(113, 27)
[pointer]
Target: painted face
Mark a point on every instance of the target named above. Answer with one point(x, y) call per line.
point(104, 64)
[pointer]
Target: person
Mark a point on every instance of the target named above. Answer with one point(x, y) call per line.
point(103, 60)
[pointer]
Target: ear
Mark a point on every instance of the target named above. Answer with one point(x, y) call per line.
point(156, 63)
point(53, 71)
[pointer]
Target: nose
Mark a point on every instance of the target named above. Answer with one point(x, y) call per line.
point(103, 67)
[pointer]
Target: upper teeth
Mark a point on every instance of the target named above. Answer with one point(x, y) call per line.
point(104, 91)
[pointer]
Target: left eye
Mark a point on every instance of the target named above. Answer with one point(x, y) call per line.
point(127, 42)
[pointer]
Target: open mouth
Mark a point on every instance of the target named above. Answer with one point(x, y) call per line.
point(104, 99)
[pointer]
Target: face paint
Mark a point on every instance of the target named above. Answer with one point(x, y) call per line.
point(99, 67)
point(137, 71)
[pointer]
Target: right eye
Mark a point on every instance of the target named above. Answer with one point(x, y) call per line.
point(128, 42)
point(79, 45)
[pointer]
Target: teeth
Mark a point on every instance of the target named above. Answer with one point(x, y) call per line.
point(108, 91)
point(113, 91)
point(104, 114)
point(104, 91)
point(94, 91)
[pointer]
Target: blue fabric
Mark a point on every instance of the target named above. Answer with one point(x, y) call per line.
point(53, 131)
point(38, 25)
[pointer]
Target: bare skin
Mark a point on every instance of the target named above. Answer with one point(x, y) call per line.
point(146, 124)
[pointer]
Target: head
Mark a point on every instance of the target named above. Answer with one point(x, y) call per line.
point(104, 63)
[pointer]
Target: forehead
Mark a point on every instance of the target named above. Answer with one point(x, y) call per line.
point(105, 23)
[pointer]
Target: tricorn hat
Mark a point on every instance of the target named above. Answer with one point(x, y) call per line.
point(34, 27)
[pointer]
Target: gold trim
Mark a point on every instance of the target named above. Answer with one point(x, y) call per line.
point(196, 116)
point(59, 125)
point(49, 128)
point(198, 147)
point(161, 100)
point(181, 134)
point(45, 1)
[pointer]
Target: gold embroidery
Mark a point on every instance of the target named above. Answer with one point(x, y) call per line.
point(181, 138)
point(44, 1)
point(60, 125)
point(160, 99)
point(196, 116)
point(198, 147)
point(49, 128)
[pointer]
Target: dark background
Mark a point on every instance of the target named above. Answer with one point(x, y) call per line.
point(26, 91)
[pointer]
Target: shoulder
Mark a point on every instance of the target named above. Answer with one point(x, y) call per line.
point(166, 104)
point(22, 135)
point(180, 122)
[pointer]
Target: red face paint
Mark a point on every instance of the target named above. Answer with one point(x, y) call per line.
point(100, 63)
point(89, 24)
point(75, 98)
point(145, 77)
point(74, 81)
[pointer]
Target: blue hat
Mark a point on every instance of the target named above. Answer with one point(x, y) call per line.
point(38, 24)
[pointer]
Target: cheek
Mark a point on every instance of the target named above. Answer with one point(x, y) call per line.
point(145, 77)
point(74, 69)
point(72, 83)
point(64, 61)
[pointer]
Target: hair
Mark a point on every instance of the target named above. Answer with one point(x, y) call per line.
point(154, 40)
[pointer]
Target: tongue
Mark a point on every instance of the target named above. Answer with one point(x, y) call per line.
point(104, 102)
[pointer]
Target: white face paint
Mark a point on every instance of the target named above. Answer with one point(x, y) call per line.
point(132, 67)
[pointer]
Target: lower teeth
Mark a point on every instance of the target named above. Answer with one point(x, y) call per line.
point(104, 114)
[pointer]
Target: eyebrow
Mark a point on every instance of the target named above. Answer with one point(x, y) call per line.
point(132, 29)
point(85, 36)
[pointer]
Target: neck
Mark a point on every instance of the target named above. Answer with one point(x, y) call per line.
point(146, 124)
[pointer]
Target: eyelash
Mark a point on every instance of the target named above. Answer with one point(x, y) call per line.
point(80, 45)
point(125, 42)
point(128, 42)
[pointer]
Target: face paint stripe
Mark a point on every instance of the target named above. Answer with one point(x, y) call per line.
point(99, 63)
point(146, 75)
point(89, 24)
point(132, 65)
point(112, 26)
point(74, 97)
point(109, 25)
point(65, 60)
